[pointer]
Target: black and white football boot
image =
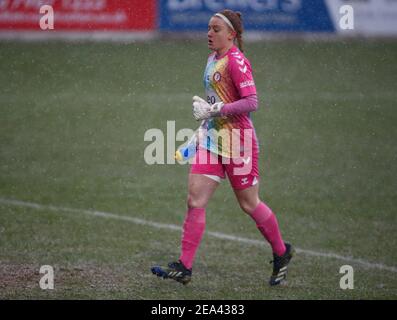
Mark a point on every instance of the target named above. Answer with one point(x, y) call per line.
point(280, 266)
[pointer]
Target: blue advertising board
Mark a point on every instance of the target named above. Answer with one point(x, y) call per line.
point(258, 15)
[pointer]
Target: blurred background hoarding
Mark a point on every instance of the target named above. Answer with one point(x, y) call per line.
point(296, 15)
point(369, 17)
point(82, 15)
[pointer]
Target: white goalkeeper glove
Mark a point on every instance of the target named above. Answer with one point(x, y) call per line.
point(203, 110)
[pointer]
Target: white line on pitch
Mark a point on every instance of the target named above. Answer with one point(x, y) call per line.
point(217, 235)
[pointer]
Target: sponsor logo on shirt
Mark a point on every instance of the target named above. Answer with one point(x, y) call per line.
point(247, 83)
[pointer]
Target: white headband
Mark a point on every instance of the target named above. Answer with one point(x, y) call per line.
point(220, 15)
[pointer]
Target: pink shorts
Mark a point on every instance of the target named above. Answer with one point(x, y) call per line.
point(242, 172)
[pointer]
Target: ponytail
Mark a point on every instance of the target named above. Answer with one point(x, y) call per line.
point(237, 21)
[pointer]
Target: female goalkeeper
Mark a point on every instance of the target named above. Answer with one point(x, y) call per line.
point(227, 146)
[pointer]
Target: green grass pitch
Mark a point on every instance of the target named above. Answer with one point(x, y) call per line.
point(72, 125)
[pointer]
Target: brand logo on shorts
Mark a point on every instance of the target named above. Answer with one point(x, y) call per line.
point(244, 181)
point(217, 76)
point(247, 160)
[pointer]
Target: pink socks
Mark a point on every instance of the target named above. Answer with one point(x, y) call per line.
point(267, 224)
point(193, 230)
point(194, 226)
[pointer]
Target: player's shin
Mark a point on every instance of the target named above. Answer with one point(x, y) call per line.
point(193, 230)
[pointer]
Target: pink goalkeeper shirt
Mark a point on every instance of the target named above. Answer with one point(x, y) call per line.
point(228, 78)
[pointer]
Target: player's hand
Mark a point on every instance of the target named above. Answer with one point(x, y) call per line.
point(203, 110)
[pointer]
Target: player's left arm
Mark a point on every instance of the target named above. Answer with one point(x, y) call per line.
point(241, 74)
point(243, 105)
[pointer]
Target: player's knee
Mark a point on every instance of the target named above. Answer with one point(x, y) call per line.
point(196, 202)
point(248, 206)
